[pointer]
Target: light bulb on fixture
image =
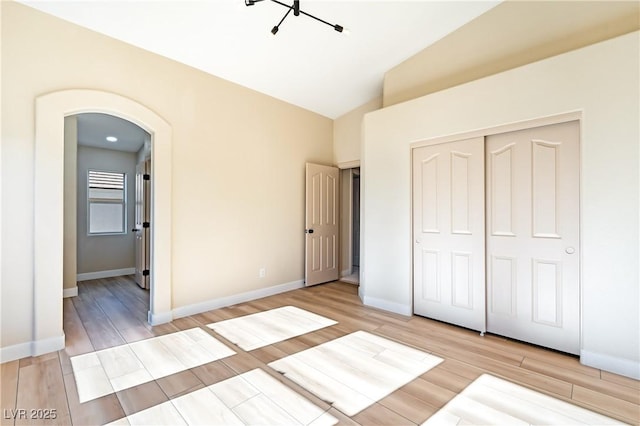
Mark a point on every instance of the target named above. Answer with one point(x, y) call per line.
point(296, 12)
point(111, 139)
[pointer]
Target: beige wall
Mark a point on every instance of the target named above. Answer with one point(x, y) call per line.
point(70, 267)
point(347, 132)
point(237, 162)
point(603, 82)
point(512, 34)
point(97, 253)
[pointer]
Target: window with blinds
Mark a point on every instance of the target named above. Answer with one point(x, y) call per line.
point(106, 202)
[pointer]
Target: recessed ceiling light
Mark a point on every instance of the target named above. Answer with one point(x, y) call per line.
point(112, 139)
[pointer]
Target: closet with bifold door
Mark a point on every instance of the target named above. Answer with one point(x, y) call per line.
point(496, 226)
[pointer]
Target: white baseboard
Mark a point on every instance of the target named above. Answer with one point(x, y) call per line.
point(221, 302)
point(45, 346)
point(385, 305)
point(622, 366)
point(34, 348)
point(105, 274)
point(159, 318)
point(70, 292)
point(13, 352)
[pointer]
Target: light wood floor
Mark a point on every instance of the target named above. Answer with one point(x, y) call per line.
point(112, 312)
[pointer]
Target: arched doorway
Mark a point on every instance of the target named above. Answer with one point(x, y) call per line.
point(48, 190)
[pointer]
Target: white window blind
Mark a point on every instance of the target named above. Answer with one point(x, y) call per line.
point(107, 202)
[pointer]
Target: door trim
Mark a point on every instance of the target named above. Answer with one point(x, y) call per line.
point(349, 164)
point(347, 213)
point(346, 223)
point(50, 111)
point(502, 128)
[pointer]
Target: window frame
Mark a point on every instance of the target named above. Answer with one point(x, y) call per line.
point(122, 202)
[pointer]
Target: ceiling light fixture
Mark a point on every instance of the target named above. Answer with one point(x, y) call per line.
point(296, 12)
point(111, 139)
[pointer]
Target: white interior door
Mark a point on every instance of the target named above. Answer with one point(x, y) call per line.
point(448, 228)
point(321, 222)
point(142, 210)
point(533, 236)
point(146, 230)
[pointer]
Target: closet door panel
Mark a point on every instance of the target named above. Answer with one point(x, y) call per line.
point(533, 235)
point(448, 228)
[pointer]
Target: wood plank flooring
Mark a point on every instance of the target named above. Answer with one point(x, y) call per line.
point(490, 400)
point(112, 312)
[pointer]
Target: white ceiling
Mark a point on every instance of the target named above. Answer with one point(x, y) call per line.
point(93, 129)
point(307, 63)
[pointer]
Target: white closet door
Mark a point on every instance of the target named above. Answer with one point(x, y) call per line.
point(448, 230)
point(533, 290)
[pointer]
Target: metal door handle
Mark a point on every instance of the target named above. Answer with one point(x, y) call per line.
point(570, 250)
point(308, 231)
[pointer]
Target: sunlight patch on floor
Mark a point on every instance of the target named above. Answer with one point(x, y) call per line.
point(356, 370)
point(114, 369)
point(254, 397)
point(265, 328)
point(490, 400)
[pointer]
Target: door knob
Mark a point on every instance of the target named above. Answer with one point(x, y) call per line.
point(134, 229)
point(570, 250)
point(309, 231)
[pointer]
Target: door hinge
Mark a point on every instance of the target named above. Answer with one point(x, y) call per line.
point(146, 176)
point(146, 224)
point(145, 273)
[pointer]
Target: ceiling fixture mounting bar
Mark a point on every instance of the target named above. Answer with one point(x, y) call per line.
point(296, 12)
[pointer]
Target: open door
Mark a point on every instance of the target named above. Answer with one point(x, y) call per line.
point(141, 229)
point(321, 223)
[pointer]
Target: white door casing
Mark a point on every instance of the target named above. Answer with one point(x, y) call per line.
point(321, 224)
point(51, 109)
point(533, 225)
point(448, 233)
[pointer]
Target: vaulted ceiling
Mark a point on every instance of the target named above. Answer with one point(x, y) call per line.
point(307, 63)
